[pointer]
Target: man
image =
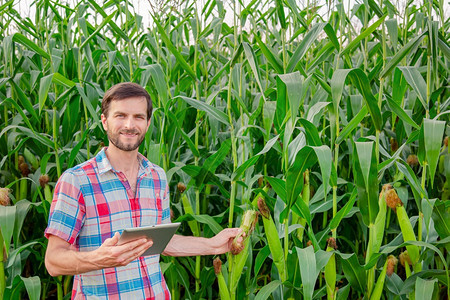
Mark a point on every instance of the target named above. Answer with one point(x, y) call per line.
point(117, 189)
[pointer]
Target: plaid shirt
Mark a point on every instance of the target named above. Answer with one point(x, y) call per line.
point(92, 201)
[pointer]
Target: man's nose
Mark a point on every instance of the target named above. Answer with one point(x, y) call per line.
point(129, 123)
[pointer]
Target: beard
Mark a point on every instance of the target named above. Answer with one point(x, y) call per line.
point(114, 138)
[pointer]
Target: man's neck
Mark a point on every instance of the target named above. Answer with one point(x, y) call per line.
point(123, 161)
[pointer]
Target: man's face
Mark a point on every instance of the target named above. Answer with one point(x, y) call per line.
point(126, 123)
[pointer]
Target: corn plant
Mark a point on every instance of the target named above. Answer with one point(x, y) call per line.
point(320, 115)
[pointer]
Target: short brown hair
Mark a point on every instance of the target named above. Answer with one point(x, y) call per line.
point(123, 91)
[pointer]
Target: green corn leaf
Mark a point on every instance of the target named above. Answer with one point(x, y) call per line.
point(409, 284)
point(441, 218)
point(433, 133)
point(186, 137)
point(304, 45)
point(61, 80)
point(97, 30)
point(251, 58)
point(20, 111)
point(424, 288)
point(158, 77)
point(261, 258)
point(354, 272)
point(210, 110)
point(208, 220)
point(342, 213)
point(307, 261)
point(88, 103)
point(443, 46)
point(267, 290)
point(365, 170)
point(399, 86)
point(324, 158)
point(24, 100)
point(33, 287)
point(400, 55)
point(213, 161)
point(312, 135)
point(392, 28)
point(30, 133)
point(360, 80)
point(7, 221)
point(111, 23)
point(280, 13)
point(252, 160)
point(352, 125)
point(401, 113)
point(304, 159)
point(22, 208)
point(293, 6)
point(271, 57)
point(355, 42)
point(44, 87)
point(293, 85)
point(412, 180)
point(173, 49)
point(23, 40)
point(416, 81)
point(279, 186)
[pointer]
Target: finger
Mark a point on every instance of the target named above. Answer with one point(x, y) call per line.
point(232, 232)
point(132, 247)
point(112, 241)
point(137, 252)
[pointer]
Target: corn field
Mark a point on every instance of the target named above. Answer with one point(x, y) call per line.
point(332, 127)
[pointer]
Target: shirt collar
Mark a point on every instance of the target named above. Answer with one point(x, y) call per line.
point(104, 165)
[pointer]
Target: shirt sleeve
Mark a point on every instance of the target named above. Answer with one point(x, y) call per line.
point(67, 211)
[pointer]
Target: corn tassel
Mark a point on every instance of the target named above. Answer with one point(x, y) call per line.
point(273, 239)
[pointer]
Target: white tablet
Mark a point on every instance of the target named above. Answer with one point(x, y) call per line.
point(160, 235)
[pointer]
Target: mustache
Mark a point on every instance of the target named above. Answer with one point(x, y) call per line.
point(129, 131)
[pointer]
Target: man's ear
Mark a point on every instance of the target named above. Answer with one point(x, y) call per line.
point(105, 125)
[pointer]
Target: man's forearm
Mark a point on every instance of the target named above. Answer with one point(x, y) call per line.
point(62, 259)
point(65, 261)
point(189, 246)
point(192, 246)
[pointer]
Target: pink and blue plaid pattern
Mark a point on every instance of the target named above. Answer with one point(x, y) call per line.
point(92, 201)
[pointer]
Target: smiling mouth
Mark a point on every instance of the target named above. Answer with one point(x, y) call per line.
point(129, 134)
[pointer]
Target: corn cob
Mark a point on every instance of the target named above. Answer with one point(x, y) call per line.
point(240, 249)
point(330, 270)
point(43, 181)
point(394, 202)
point(273, 239)
point(223, 289)
point(389, 264)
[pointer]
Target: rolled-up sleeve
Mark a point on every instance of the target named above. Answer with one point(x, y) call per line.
point(67, 211)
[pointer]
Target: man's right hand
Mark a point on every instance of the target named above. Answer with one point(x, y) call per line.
point(110, 254)
point(62, 258)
